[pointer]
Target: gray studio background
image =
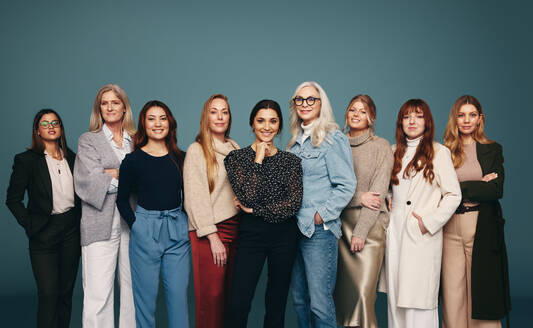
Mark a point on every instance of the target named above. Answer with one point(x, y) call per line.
point(58, 53)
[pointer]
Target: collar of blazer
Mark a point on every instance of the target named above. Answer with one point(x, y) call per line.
point(44, 174)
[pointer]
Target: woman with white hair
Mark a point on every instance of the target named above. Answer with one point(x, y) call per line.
point(105, 236)
point(328, 184)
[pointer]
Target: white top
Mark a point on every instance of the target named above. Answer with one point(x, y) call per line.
point(120, 152)
point(306, 131)
point(62, 184)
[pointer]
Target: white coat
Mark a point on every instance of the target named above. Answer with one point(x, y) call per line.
point(420, 255)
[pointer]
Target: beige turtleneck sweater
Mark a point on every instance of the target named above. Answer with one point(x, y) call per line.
point(373, 160)
point(206, 209)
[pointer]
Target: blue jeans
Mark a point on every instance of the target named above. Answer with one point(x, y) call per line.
point(313, 279)
point(159, 241)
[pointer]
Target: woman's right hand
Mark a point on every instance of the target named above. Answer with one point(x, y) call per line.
point(371, 200)
point(112, 172)
point(262, 149)
point(490, 176)
point(217, 249)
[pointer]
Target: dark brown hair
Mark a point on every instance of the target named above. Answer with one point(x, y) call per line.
point(140, 138)
point(37, 144)
point(423, 159)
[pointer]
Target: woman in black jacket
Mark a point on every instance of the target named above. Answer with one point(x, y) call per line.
point(51, 218)
point(475, 279)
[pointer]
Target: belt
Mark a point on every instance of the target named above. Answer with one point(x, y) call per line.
point(172, 227)
point(462, 209)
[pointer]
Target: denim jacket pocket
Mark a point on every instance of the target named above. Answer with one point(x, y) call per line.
point(312, 162)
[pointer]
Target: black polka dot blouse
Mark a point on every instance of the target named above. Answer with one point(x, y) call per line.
point(272, 189)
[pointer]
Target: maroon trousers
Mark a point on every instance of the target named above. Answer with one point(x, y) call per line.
point(212, 284)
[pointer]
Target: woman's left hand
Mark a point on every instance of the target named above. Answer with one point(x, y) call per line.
point(238, 204)
point(423, 229)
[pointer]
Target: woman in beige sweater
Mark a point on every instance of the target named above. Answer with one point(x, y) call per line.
point(364, 220)
point(213, 221)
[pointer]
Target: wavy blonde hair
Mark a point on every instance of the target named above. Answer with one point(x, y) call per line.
point(323, 124)
point(205, 139)
point(452, 138)
point(97, 122)
point(370, 107)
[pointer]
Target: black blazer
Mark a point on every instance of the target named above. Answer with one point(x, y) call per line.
point(30, 173)
point(491, 298)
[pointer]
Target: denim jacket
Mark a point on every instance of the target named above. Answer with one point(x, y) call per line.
point(328, 181)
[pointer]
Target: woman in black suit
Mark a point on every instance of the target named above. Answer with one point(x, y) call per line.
point(51, 217)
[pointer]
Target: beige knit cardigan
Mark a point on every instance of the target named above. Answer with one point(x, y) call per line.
point(206, 209)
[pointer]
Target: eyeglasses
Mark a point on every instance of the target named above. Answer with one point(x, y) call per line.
point(299, 101)
point(53, 124)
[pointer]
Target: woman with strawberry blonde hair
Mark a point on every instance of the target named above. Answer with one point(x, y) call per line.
point(213, 221)
point(475, 281)
point(425, 194)
point(365, 219)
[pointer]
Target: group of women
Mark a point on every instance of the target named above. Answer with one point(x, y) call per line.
point(332, 215)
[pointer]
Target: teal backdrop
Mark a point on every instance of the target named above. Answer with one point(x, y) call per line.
point(58, 53)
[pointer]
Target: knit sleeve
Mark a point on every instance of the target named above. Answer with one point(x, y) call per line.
point(196, 191)
point(379, 183)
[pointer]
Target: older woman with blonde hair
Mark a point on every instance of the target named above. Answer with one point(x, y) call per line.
point(364, 220)
point(104, 236)
point(328, 184)
point(475, 280)
point(213, 220)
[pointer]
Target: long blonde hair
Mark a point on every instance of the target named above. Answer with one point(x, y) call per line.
point(452, 138)
point(97, 122)
point(323, 124)
point(205, 139)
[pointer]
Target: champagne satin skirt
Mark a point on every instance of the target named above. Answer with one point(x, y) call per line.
point(357, 274)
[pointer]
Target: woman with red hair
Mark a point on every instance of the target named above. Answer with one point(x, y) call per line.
point(425, 194)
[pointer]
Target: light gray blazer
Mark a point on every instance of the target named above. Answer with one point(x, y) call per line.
point(91, 185)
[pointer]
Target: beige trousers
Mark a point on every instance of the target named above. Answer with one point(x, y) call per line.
point(459, 235)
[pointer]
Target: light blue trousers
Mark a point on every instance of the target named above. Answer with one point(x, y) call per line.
point(159, 242)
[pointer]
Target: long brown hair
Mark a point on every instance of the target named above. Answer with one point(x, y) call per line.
point(37, 144)
point(370, 107)
point(140, 138)
point(452, 138)
point(423, 158)
point(205, 139)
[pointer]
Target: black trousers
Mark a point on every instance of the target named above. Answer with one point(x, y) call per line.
point(55, 255)
point(258, 240)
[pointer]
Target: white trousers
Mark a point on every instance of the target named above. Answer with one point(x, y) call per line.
point(99, 263)
point(399, 317)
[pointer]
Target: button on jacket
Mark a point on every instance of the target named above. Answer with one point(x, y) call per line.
point(328, 181)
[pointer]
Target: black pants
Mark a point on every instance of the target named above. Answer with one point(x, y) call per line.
point(55, 256)
point(258, 240)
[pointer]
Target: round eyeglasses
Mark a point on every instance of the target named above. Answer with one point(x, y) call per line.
point(299, 101)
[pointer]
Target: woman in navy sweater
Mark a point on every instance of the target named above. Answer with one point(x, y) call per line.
point(159, 229)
